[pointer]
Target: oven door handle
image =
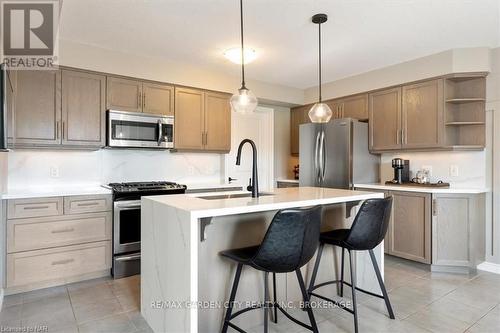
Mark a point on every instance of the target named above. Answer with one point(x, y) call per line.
point(129, 258)
point(128, 204)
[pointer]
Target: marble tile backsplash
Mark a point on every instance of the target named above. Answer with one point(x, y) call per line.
point(31, 168)
point(471, 166)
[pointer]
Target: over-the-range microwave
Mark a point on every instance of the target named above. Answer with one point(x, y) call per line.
point(139, 130)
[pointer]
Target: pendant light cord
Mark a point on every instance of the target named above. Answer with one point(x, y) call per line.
point(320, 97)
point(242, 48)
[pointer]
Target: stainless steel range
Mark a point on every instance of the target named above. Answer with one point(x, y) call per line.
point(127, 222)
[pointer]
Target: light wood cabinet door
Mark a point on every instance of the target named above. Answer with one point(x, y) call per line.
point(217, 122)
point(355, 107)
point(83, 109)
point(9, 98)
point(385, 119)
point(189, 119)
point(37, 108)
point(158, 99)
point(298, 116)
point(336, 108)
point(411, 226)
point(423, 113)
point(124, 94)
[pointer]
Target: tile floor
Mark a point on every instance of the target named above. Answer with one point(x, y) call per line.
point(423, 302)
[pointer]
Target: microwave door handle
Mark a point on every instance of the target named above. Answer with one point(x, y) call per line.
point(160, 129)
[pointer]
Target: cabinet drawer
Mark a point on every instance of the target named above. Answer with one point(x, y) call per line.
point(42, 233)
point(39, 207)
point(44, 265)
point(87, 204)
point(287, 184)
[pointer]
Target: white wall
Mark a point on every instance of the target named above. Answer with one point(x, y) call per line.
point(452, 61)
point(31, 168)
point(160, 69)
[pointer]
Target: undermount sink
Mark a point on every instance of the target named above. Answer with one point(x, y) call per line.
point(232, 196)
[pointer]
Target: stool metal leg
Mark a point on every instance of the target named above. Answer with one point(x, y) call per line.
point(316, 267)
point(382, 285)
point(232, 297)
point(275, 300)
point(353, 288)
point(306, 298)
point(342, 274)
point(266, 302)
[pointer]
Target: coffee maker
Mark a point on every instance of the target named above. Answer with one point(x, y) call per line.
point(401, 171)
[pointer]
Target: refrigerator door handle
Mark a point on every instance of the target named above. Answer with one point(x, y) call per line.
point(316, 159)
point(323, 156)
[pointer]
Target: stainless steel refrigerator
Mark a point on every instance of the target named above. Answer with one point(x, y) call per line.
point(336, 155)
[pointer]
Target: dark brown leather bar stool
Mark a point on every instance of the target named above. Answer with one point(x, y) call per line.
point(367, 231)
point(290, 242)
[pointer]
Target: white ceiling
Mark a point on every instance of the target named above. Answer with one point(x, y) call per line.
point(361, 35)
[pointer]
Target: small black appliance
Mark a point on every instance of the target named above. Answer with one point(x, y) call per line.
point(401, 171)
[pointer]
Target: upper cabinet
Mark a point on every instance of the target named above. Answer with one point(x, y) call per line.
point(298, 116)
point(124, 94)
point(350, 107)
point(422, 115)
point(140, 96)
point(83, 108)
point(37, 118)
point(158, 99)
point(217, 122)
point(385, 119)
point(58, 108)
point(202, 120)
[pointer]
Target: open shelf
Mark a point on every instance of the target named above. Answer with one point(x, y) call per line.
point(465, 114)
point(465, 100)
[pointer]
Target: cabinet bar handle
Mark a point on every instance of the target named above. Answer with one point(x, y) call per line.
point(86, 204)
point(57, 130)
point(144, 100)
point(434, 207)
point(59, 231)
point(63, 129)
point(62, 262)
point(139, 100)
point(397, 136)
point(36, 207)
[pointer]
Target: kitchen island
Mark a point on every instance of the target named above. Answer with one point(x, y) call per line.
point(184, 282)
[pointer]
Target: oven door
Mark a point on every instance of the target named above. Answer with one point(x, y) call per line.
point(130, 129)
point(127, 226)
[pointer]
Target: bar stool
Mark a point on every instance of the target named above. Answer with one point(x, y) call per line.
point(367, 231)
point(290, 242)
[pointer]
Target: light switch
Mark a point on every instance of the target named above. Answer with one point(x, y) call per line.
point(54, 171)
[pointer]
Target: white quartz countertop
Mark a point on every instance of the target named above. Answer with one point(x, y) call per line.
point(281, 199)
point(54, 191)
point(452, 189)
point(210, 186)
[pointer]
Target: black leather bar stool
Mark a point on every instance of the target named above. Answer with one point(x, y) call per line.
point(290, 242)
point(367, 231)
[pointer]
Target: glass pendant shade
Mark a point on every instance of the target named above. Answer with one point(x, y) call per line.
point(244, 101)
point(320, 113)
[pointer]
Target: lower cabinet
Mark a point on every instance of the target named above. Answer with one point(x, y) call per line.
point(410, 227)
point(68, 241)
point(458, 231)
point(445, 230)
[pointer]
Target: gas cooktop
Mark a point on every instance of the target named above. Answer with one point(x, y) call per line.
point(145, 186)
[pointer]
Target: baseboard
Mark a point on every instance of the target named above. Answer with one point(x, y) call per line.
point(489, 267)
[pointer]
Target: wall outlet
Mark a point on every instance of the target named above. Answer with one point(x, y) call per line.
point(454, 170)
point(54, 171)
point(191, 170)
point(427, 168)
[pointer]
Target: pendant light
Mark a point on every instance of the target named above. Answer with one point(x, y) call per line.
point(244, 101)
point(320, 112)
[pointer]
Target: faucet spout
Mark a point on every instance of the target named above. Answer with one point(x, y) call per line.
point(255, 182)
